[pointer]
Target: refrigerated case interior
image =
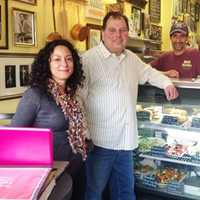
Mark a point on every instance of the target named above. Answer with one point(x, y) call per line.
point(167, 161)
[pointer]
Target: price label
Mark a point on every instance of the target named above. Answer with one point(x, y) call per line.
point(157, 162)
point(158, 133)
point(189, 189)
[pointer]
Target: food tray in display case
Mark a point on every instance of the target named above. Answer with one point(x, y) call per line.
point(169, 137)
point(162, 176)
point(169, 144)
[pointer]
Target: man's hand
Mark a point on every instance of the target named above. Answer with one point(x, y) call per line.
point(171, 92)
point(172, 73)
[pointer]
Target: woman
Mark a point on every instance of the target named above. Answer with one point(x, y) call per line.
point(50, 102)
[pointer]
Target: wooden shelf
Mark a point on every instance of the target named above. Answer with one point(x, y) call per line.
point(143, 43)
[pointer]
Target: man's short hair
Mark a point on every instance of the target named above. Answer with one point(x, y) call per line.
point(115, 15)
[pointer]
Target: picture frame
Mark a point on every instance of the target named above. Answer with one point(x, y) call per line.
point(14, 74)
point(146, 24)
point(115, 7)
point(3, 24)
point(192, 9)
point(155, 10)
point(197, 10)
point(24, 32)
point(94, 36)
point(136, 20)
point(188, 6)
point(185, 6)
point(32, 2)
point(193, 26)
point(155, 32)
point(176, 8)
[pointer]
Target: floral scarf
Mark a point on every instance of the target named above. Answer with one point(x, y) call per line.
point(72, 111)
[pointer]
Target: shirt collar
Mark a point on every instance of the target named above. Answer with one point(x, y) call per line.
point(106, 53)
point(104, 50)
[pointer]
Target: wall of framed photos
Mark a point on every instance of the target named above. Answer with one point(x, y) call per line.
point(40, 26)
point(24, 25)
point(17, 49)
point(19, 43)
point(157, 17)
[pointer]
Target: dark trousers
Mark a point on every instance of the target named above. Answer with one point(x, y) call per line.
point(63, 188)
point(77, 171)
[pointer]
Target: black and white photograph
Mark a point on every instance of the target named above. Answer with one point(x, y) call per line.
point(24, 27)
point(14, 75)
point(24, 75)
point(10, 76)
point(94, 36)
point(197, 10)
point(136, 20)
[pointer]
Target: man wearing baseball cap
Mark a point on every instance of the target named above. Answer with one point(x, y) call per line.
point(181, 62)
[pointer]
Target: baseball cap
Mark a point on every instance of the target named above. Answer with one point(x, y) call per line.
point(179, 27)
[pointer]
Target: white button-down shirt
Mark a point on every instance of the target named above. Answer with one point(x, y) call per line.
point(110, 93)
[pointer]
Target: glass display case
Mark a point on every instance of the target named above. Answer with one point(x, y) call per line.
point(167, 160)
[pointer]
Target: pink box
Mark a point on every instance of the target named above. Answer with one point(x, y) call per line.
point(26, 158)
point(26, 147)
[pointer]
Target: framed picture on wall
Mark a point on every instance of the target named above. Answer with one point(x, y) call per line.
point(192, 9)
point(115, 7)
point(136, 20)
point(10, 76)
point(33, 2)
point(185, 5)
point(197, 10)
point(155, 10)
point(94, 36)
point(23, 27)
point(176, 8)
point(14, 74)
point(155, 32)
point(188, 6)
point(3, 24)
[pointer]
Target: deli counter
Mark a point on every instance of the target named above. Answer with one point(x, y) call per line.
point(167, 160)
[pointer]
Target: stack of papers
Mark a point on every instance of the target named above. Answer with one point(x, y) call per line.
point(22, 183)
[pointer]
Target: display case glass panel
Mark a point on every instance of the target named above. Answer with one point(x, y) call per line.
point(167, 160)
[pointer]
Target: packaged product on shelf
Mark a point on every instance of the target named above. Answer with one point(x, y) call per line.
point(174, 116)
point(146, 143)
point(177, 150)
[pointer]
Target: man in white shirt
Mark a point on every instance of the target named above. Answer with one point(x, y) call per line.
point(112, 77)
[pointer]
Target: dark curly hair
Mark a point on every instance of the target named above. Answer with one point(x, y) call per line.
point(40, 68)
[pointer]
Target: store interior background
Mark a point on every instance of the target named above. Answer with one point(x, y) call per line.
point(67, 14)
